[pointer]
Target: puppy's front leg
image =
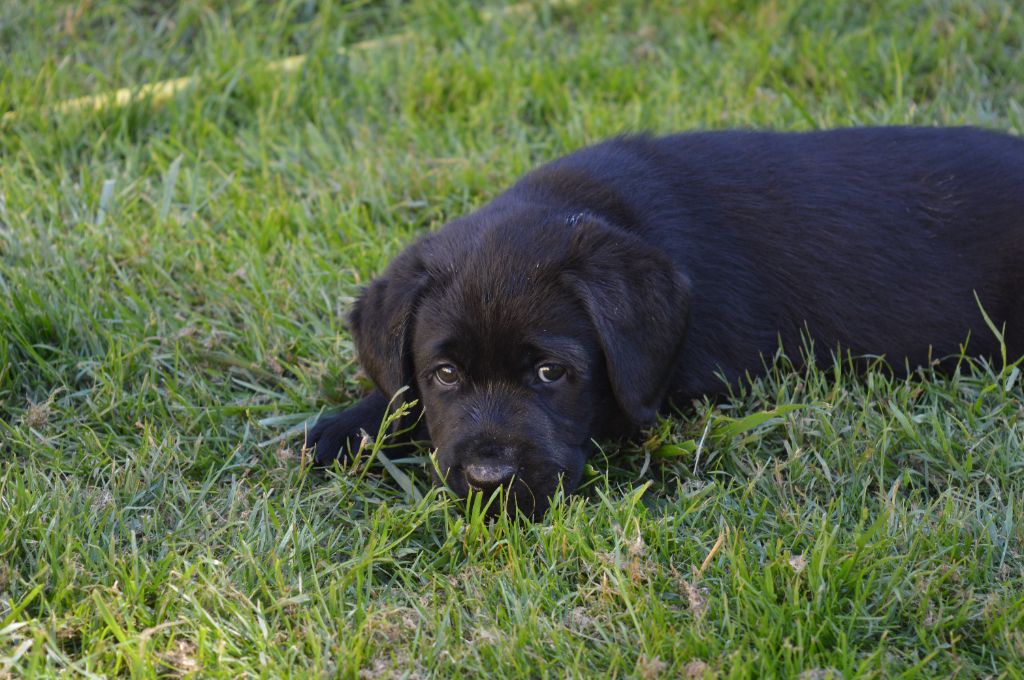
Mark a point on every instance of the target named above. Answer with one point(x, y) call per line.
point(337, 434)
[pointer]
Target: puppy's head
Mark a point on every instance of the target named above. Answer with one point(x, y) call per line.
point(525, 335)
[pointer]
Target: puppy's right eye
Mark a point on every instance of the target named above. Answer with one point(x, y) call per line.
point(447, 375)
point(550, 373)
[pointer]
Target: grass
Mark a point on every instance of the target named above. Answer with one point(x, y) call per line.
point(175, 279)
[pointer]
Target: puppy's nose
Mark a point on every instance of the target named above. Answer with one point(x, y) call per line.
point(487, 477)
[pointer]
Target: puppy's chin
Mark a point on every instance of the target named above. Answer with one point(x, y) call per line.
point(530, 492)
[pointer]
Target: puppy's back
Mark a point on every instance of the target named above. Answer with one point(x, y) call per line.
point(875, 239)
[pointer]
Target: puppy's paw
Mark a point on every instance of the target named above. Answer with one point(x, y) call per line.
point(333, 437)
point(341, 434)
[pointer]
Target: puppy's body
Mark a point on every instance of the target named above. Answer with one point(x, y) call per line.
point(649, 268)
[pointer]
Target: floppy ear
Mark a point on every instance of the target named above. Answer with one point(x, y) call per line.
point(639, 305)
point(381, 321)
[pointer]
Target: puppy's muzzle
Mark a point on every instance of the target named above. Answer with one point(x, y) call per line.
point(487, 477)
point(488, 462)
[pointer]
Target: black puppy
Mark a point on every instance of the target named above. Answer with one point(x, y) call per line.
point(579, 301)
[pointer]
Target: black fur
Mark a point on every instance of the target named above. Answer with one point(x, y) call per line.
point(649, 267)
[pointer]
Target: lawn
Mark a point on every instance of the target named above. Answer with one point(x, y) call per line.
point(174, 278)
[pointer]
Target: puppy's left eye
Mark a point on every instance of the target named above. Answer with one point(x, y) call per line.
point(447, 375)
point(550, 373)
